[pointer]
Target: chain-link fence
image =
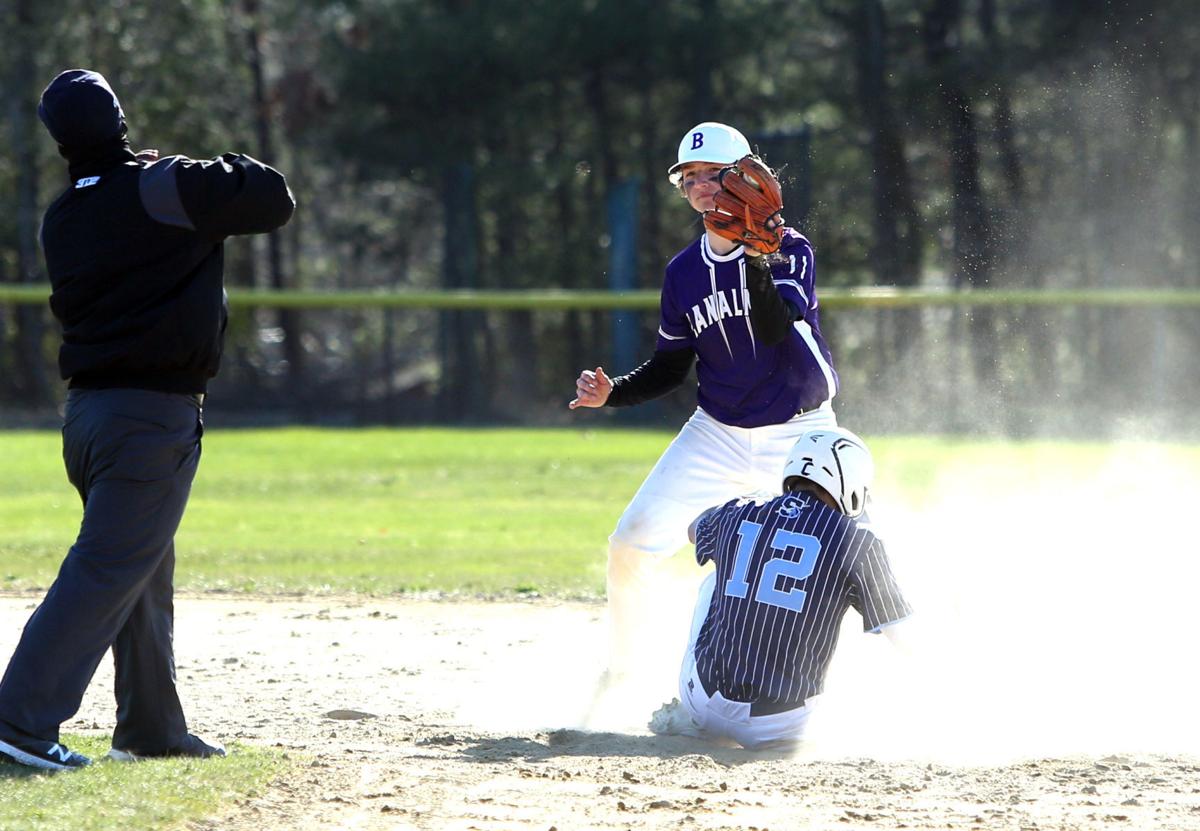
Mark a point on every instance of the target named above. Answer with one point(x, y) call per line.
point(1085, 365)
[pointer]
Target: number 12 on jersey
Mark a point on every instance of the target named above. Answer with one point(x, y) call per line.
point(738, 584)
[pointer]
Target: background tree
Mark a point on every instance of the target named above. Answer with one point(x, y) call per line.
point(475, 144)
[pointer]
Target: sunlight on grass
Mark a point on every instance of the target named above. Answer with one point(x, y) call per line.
point(382, 511)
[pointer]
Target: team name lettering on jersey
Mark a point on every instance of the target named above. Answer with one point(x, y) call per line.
point(86, 182)
point(742, 381)
point(718, 306)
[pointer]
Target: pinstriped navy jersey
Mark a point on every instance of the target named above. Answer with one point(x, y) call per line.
point(787, 571)
point(743, 382)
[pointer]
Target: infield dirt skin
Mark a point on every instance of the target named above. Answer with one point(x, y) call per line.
point(466, 714)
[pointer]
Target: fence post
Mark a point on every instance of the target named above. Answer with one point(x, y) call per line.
point(622, 210)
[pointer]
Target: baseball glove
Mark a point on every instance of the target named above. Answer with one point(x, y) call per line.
point(749, 207)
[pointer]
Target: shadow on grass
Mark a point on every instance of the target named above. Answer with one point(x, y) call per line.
point(11, 770)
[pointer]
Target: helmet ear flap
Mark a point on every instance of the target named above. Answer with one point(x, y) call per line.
point(858, 501)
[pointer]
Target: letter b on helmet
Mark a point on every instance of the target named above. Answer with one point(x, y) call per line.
point(712, 143)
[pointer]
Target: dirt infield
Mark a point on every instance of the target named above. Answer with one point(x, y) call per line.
point(474, 715)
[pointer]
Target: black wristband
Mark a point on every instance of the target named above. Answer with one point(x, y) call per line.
point(770, 315)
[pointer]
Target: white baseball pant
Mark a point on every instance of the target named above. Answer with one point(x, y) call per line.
point(706, 465)
point(716, 715)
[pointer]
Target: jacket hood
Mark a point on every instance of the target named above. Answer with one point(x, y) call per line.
point(80, 110)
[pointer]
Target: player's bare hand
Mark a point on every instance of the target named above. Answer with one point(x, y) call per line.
point(592, 389)
point(147, 155)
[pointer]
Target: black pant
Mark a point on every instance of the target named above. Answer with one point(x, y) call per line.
point(132, 455)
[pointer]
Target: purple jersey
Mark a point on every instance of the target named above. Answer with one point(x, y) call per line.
point(788, 569)
point(743, 382)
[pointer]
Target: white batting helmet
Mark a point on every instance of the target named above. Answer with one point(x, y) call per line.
point(838, 461)
point(710, 142)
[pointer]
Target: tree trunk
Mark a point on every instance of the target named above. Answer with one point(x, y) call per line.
point(8, 366)
point(701, 97)
point(511, 381)
point(289, 319)
point(1011, 221)
point(1189, 220)
point(653, 175)
point(460, 265)
point(896, 246)
point(895, 252)
point(570, 249)
point(1003, 120)
point(972, 234)
point(33, 383)
point(597, 99)
point(1189, 216)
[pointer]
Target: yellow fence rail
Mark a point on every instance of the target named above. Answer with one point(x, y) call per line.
point(549, 300)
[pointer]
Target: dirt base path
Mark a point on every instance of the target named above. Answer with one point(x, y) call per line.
point(469, 715)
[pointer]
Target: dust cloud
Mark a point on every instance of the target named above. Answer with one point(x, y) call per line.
point(1052, 618)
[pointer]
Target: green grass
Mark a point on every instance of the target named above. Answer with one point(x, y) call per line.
point(384, 511)
point(157, 794)
point(477, 511)
point(381, 511)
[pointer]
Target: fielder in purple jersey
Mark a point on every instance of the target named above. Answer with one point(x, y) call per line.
point(765, 375)
point(748, 377)
point(787, 570)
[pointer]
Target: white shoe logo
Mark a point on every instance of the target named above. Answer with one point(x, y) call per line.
point(61, 752)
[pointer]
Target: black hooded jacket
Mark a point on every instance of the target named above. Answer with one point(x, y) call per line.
point(135, 256)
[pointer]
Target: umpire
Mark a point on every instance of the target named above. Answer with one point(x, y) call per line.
point(134, 249)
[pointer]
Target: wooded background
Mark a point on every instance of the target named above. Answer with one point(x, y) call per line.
point(479, 143)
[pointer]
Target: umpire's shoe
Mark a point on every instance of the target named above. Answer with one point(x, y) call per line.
point(192, 747)
point(43, 755)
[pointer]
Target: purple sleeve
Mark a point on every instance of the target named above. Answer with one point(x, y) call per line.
point(795, 278)
point(673, 330)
